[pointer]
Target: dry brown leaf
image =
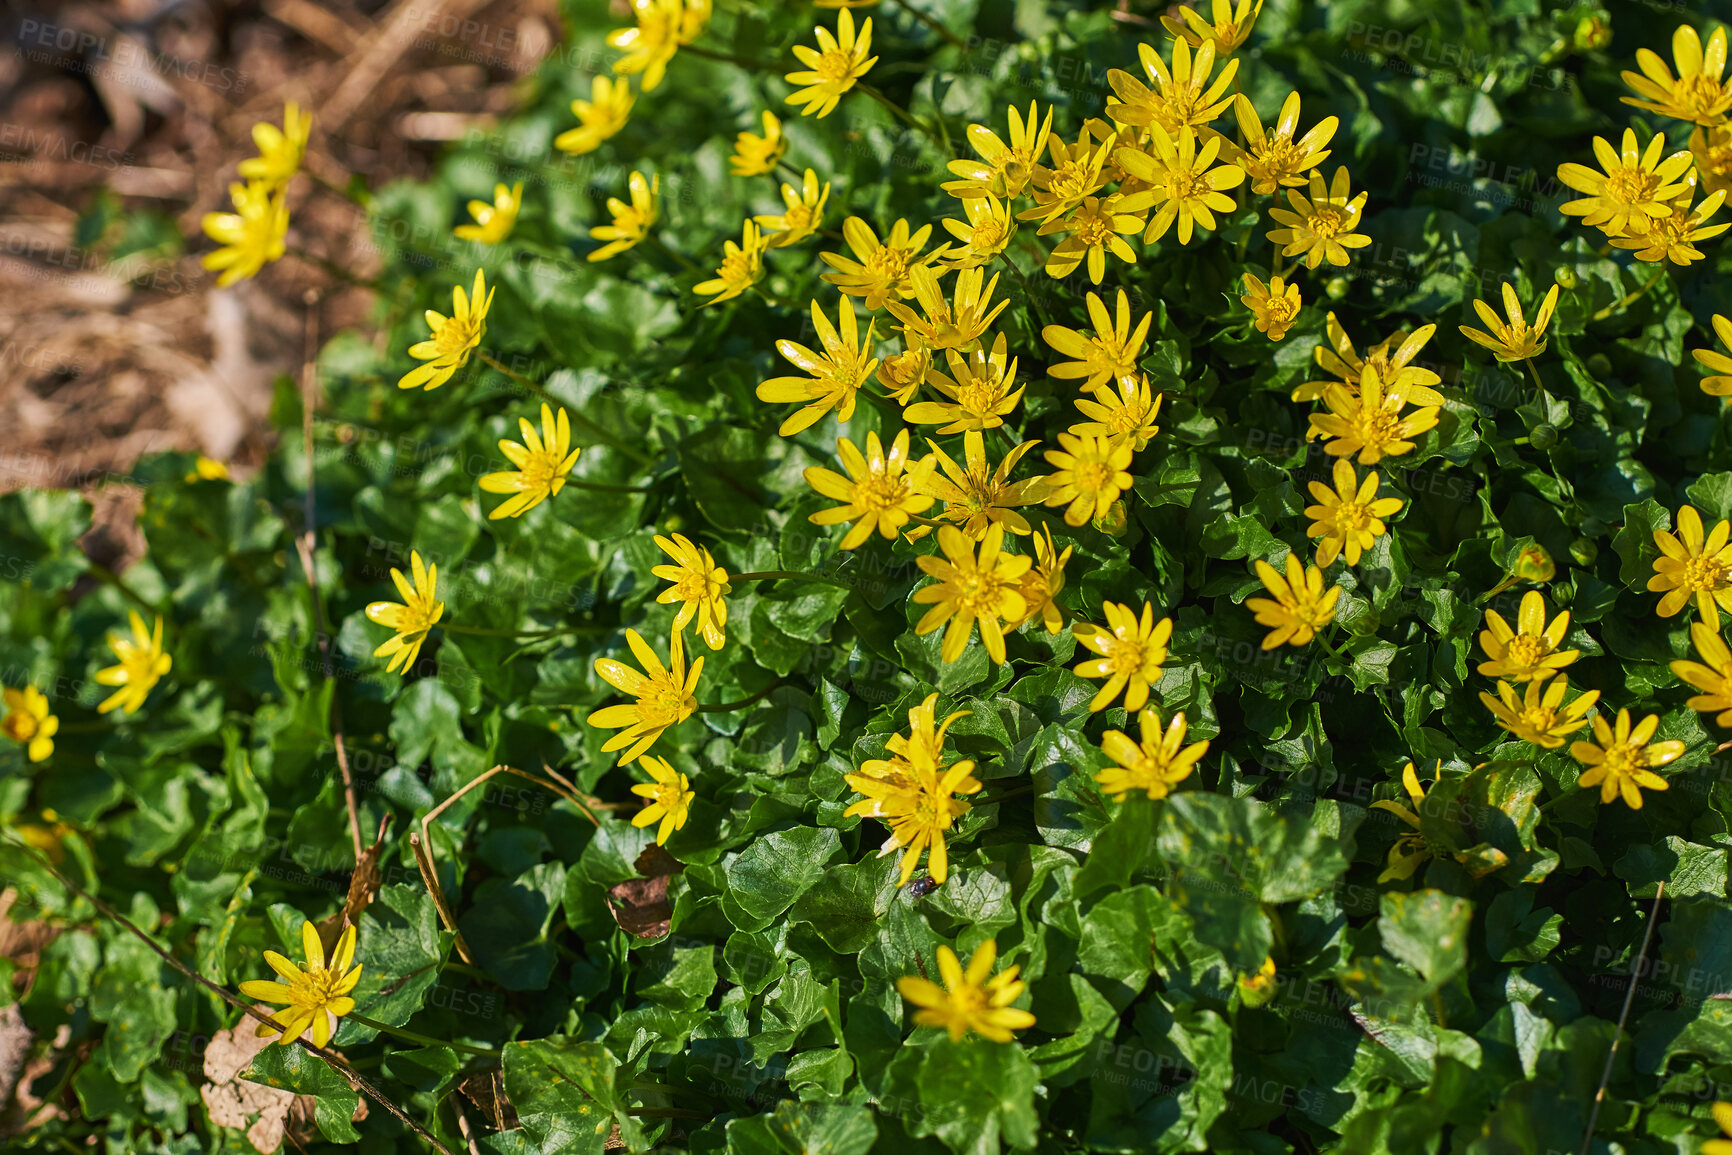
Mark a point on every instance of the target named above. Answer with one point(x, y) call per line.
point(231, 1101)
point(640, 905)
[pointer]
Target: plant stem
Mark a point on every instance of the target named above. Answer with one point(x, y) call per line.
point(741, 704)
point(332, 268)
point(479, 631)
point(901, 113)
point(730, 58)
point(1535, 374)
point(987, 799)
point(683, 261)
point(1329, 649)
point(933, 23)
point(107, 575)
point(775, 574)
point(595, 430)
point(423, 1040)
point(1629, 297)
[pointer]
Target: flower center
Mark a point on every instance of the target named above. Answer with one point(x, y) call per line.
point(1526, 650)
point(1632, 185)
point(19, 726)
point(457, 337)
point(662, 704)
point(1093, 230)
point(905, 368)
point(834, 66)
point(1539, 718)
point(1622, 760)
point(888, 264)
point(877, 492)
point(798, 217)
point(738, 268)
point(1092, 476)
point(1186, 185)
point(1281, 309)
point(1378, 426)
point(979, 592)
point(1700, 93)
point(667, 795)
point(694, 587)
point(1326, 222)
point(988, 234)
point(1704, 573)
point(1350, 517)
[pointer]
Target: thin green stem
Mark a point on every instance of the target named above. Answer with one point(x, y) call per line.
point(332, 268)
point(901, 113)
point(775, 574)
point(986, 799)
point(604, 487)
point(103, 573)
point(595, 430)
point(680, 259)
point(730, 58)
point(740, 704)
point(1534, 373)
point(420, 1039)
point(479, 631)
point(1629, 297)
point(351, 197)
point(1329, 649)
point(933, 23)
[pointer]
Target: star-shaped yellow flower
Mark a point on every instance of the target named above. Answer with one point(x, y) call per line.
point(1274, 159)
point(142, 664)
point(979, 392)
point(1698, 94)
point(1540, 715)
point(631, 222)
point(409, 621)
point(976, 494)
point(665, 696)
point(1128, 653)
point(1348, 518)
point(700, 587)
point(1004, 170)
point(599, 118)
point(1623, 762)
point(281, 149)
point(1186, 186)
point(670, 797)
point(742, 267)
point(756, 155)
point(316, 995)
point(1530, 653)
point(1634, 184)
point(29, 722)
point(1695, 566)
point(453, 338)
point(1325, 225)
point(1155, 764)
point(833, 68)
point(541, 463)
point(1090, 472)
point(1184, 94)
point(1368, 422)
point(493, 222)
point(881, 492)
point(883, 268)
point(1301, 606)
point(969, 591)
point(1712, 675)
point(1274, 306)
point(834, 376)
point(969, 1000)
point(1515, 340)
point(1112, 351)
point(252, 236)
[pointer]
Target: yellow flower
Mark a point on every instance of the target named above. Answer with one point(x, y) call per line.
point(1712, 675)
point(409, 622)
point(878, 494)
point(493, 222)
point(1530, 653)
point(315, 995)
point(252, 236)
point(922, 745)
point(1275, 306)
point(1514, 341)
point(1092, 230)
point(1673, 238)
point(1349, 518)
point(670, 797)
point(1625, 758)
point(207, 469)
point(1696, 567)
point(1111, 352)
point(1044, 581)
point(700, 585)
point(29, 723)
point(1323, 227)
point(631, 222)
point(599, 118)
point(1534, 564)
point(664, 695)
point(1634, 185)
point(1090, 474)
point(1410, 850)
point(1711, 150)
point(1186, 183)
point(844, 3)
point(662, 27)
point(742, 267)
point(1722, 1115)
point(1125, 417)
point(1185, 94)
point(989, 230)
point(978, 390)
point(968, 1001)
point(1259, 988)
point(757, 155)
point(834, 376)
point(1228, 29)
point(1392, 358)
point(1536, 716)
point(1075, 174)
point(1718, 363)
point(1698, 93)
point(1128, 654)
point(1368, 422)
point(884, 268)
point(452, 339)
point(281, 149)
point(802, 214)
point(541, 463)
point(835, 66)
point(142, 663)
point(1007, 168)
point(1155, 764)
point(969, 590)
point(913, 793)
point(977, 496)
point(1273, 159)
point(952, 324)
point(1301, 606)
point(904, 373)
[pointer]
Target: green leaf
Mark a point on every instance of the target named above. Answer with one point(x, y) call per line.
point(298, 1070)
point(567, 1097)
point(769, 875)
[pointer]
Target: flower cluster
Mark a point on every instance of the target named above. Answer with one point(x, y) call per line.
point(254, 234)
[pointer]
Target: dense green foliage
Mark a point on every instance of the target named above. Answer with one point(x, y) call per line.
point(1467, 1009)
